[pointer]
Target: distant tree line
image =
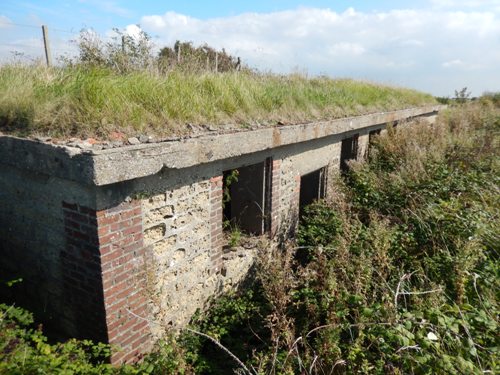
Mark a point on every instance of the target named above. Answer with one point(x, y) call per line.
point(463, 95)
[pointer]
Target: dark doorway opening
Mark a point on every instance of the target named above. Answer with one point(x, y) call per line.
point(312, 188)
point(348, 151)
point(371, 137)
point(373, 134)
point(246, 201)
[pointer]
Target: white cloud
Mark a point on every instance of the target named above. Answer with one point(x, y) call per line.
point(31, 48)
point(465, 3)
point(346, 49)
point(4, 22)
point(449, 64)
point(462, 65)
point(133, 30)
point(482, 24)
point(412, 43)
point(413, 48)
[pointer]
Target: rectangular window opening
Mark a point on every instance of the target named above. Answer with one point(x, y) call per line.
point(371, 137)
point(373, 134)
point(312, 188)
point(348, 151)
point(247, 198)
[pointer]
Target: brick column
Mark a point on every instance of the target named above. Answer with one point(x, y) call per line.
point(295, 206)
point(105, 277)
point(296, 194)
point(275, 196)
point(124, 280)
point(363, 144)
point(216, 193)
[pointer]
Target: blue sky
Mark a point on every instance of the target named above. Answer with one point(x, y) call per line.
point(103, 15)
point(431, 45)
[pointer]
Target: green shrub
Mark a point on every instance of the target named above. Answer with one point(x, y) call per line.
point(25, 350)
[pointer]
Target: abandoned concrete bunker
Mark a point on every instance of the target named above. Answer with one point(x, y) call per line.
point(121, 245)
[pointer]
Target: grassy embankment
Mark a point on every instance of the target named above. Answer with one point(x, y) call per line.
point(92, 102)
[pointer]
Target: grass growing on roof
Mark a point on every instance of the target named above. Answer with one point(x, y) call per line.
point(82, 101)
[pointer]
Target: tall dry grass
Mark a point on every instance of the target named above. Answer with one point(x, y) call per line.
point(93, 101)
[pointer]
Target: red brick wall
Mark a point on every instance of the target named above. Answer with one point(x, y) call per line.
point(216, 188)
point(124, 279)
point(275, 196)
point(296, 194)
point(107, 252)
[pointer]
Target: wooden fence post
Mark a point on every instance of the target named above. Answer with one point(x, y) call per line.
point(48, 57)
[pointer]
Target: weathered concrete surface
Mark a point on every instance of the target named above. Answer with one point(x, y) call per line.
point(63, 162)
point(32, 241)
point(93, 167)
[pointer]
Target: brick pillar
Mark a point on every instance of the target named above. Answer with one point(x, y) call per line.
point(295, 206)
point(296, 194)
point(275, 196)
point(216, 193)
point(107, 277)
point(124, 280)
point(363, 144)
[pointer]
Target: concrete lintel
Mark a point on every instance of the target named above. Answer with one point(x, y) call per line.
point(125, 163)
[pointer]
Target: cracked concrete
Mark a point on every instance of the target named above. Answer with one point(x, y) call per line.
point(102, 167)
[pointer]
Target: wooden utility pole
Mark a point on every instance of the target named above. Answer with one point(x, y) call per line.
point(46, 45)
point(216, 61)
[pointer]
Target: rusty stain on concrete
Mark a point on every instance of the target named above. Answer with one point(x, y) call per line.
point(276, 137)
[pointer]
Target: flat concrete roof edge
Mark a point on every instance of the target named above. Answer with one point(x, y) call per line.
point(102, 167)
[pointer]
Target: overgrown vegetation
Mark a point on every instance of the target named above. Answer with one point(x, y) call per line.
point(121, 86)
point(25, 350)
point(401, 268)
